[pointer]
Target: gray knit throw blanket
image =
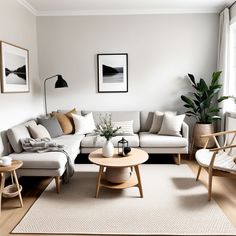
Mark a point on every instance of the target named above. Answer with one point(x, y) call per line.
point(46, 145)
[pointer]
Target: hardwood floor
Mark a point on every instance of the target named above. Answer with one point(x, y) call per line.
point(224, 193)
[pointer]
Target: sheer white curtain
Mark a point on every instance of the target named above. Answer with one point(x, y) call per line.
point(223, 60)
point(226, 62)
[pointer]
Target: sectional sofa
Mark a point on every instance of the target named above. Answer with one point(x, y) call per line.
point(53, 163)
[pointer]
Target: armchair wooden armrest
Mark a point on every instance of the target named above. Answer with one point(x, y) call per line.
point(221, 148)
point(214, 135)
point(218, 133)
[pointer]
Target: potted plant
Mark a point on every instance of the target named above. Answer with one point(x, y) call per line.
point(106, 129)
point(203, 105)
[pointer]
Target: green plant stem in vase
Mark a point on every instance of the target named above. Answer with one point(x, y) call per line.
point(106, 129)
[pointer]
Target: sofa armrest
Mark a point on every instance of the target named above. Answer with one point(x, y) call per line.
point(185, 130)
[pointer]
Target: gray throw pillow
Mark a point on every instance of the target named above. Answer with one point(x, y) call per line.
point(52, 125)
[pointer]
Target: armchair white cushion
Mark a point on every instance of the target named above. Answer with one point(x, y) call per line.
point(223, 161)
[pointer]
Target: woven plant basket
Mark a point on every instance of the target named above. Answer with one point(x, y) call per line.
point(11, 191)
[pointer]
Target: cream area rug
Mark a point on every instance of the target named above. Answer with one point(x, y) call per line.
point(173, 204)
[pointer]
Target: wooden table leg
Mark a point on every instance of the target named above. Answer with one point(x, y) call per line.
point(1, 189)
point(12, 179)
point(18, 187)
point(101, 168)
point(139, 180)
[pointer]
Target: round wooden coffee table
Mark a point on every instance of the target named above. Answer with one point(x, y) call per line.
point(133, 160)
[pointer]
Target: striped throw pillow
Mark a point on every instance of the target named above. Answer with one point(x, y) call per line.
point(126, 127)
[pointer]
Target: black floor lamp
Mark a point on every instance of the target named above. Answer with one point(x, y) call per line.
point(60, 83)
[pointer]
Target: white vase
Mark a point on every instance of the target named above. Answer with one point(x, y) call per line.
point(108, 149)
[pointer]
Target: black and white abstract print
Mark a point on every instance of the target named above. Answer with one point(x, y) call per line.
point(15, 69)
point(112, 74)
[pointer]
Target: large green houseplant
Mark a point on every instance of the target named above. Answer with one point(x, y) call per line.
point(203, 105)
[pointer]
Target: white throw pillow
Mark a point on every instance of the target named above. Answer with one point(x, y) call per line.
point(38, 131)
point(126, 127)
point(171, 125)
point(158, 119)
point(84, 124)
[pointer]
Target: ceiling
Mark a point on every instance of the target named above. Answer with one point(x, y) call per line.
point(110, 7)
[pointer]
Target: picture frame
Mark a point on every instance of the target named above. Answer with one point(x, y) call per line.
point(14, 68)
point(112, 72)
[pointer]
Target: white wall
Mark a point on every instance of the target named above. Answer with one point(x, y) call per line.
point(18, 26)
point(162, 49)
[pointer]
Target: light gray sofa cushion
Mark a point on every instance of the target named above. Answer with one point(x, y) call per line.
point(118, 116)
point(71, 142)
point(46, 160)
point(90, 141)
point(159, 141)
point(14, 135)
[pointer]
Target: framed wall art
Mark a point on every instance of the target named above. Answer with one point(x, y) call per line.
point(14, 68)
point(112, 73)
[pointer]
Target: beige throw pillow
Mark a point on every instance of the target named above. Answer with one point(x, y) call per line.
point(157, 120)
point(171, 125)
point(38, 131)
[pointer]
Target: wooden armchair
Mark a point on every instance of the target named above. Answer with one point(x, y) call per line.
point(219, 161)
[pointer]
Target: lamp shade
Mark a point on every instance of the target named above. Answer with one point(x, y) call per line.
point(60, 83)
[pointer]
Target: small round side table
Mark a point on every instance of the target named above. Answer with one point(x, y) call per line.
point(6, 191)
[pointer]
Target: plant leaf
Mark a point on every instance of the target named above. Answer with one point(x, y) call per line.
point(215, 77)
point(222, 98)
point(187, 100)
point(191, 77)
point(203, 85)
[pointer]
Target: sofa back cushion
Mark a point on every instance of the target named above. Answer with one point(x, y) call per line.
point(118, 116)
point(14, 135)
point(5, 146)
point(146, 118)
